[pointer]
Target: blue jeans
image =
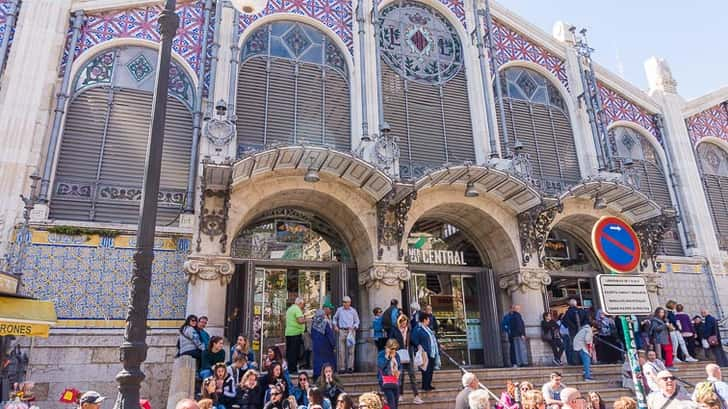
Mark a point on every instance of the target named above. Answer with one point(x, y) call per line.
point(586, 362)
point(392, 395)
point(570, 355)
point(519, 348)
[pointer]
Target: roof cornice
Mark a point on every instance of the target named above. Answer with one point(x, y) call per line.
point(700, 104)
point(103, 5)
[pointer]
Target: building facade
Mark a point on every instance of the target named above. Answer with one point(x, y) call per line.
point(433, 151)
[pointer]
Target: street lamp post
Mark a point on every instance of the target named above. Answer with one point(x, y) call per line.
point(133, 350)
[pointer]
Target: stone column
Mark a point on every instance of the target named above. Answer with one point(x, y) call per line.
point(663, 88)
point(526, 287)
point(654, 284)
point(26, 98)
point(208, 277)
point(383, 282)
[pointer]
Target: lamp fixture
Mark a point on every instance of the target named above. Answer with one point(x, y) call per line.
point(312, 175)
point(470, 190)
point(249, 6)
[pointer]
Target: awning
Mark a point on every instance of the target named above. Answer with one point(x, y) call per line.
point(26, 317)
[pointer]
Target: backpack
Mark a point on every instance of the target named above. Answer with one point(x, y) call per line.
point(705, 391)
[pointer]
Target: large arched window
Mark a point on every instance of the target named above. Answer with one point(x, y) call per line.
point(636, 155)
point(424, 89)
point(293, 88)
point(103, 147)
point(537, 119)
point(713, 161)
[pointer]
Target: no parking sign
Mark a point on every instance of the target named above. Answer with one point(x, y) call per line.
point(616, 244)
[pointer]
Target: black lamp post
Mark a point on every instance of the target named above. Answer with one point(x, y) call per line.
point(133, 350)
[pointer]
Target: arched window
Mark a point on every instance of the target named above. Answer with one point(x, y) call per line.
point(635, 154)
point(537, 119)
point(100, 167)
point(293, 88)
point(713, 162)
point(424, 89)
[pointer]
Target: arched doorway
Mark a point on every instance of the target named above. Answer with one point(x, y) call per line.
point(449, 274)
point(282, 254)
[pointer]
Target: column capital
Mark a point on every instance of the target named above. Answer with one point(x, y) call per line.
point(209, 268)
point(385, 274)
point(653, 282)
point(525, 279)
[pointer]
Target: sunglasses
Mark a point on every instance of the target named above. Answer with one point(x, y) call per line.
point(302, 380)
point(667, 378)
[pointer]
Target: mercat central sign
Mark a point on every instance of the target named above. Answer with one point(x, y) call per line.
point(423, 256)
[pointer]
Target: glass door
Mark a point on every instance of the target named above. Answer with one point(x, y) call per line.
point(455, 306)
point(275, 290)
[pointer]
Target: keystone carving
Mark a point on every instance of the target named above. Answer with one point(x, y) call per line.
point(533, 228)
point(391, 219)
point(208, 268)
point(387, 274)
point(525, 279)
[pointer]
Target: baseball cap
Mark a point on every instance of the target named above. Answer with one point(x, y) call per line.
point(91, 397)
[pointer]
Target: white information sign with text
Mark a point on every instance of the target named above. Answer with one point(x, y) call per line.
point(624, 295)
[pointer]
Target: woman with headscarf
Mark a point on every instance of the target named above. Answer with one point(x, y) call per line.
point(323, 341)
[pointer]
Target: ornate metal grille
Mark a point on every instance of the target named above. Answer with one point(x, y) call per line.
point(293, 87)
point(101, 160)
point(424, 89)
point(633, 153)
point(537, 119)
point(713, 162)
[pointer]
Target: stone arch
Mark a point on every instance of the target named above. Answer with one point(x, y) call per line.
point(349, 210)
point(721, 143)
point(491, 227)
point(645, 134)
point(442, 10)
point(90, 53)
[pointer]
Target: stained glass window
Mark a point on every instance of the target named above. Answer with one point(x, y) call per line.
point(527, 85)
point(419, 44)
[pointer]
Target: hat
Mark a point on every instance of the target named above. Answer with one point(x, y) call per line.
point(328, 305)
point(91, 397)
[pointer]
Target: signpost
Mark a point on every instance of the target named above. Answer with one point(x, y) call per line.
point(618, 248)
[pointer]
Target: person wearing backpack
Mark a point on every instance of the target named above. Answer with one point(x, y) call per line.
point(713, 388)
point(389, 319)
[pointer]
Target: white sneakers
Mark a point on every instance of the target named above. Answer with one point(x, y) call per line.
point(691, 359)
point(417, 401)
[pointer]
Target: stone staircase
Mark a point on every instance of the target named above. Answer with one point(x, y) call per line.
point(608, 382)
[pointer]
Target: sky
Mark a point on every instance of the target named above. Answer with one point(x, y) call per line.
point(691, 36)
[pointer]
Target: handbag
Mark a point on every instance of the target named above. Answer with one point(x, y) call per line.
point(351, 339)
point(713, 341)
point(389, 381)
point(704, 343)
point(404, 356)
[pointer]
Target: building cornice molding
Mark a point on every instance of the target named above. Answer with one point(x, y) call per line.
point(702, 103)
point(525, 279)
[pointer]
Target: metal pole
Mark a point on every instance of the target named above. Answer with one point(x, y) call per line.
point(234, 65)
point(61, 99)
point(361, 21)
point(9, 24)
point(496, 79)
point(377, 23)
point(486, 84)
point(197, 114)
point(133, 350)
point(590, 110)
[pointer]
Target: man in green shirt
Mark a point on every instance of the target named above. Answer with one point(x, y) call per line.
point(295, 326)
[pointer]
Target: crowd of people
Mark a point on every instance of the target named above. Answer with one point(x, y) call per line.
point(579, 336)
point(407, 343)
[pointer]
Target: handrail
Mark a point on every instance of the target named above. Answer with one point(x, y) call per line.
point(464, 371)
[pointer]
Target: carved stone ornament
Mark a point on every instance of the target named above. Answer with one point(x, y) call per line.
point(653, 282)
point(650, 232)
point(525, 279)
point(385, 274)
point(214, 205)
point(533, 229)
point(391, 219)
point(209, 268)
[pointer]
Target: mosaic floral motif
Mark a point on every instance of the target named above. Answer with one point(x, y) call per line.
point(419, 44)
point(512, 46)
point(96, 71)
point(711, 122)
point(457, 7)
point(140, 68)
point(334, 14)
point(141, 23)
point(618, 108)
point(180, 85)
point(296, 40)
point(93, 282)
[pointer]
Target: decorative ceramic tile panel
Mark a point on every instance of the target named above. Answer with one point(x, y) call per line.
point(457, 7)
point(618, 108)
point(512, 46)
point(334, 14)
point(141, 23)
point(87, 277)
point(6, 8)
point(711, 122)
